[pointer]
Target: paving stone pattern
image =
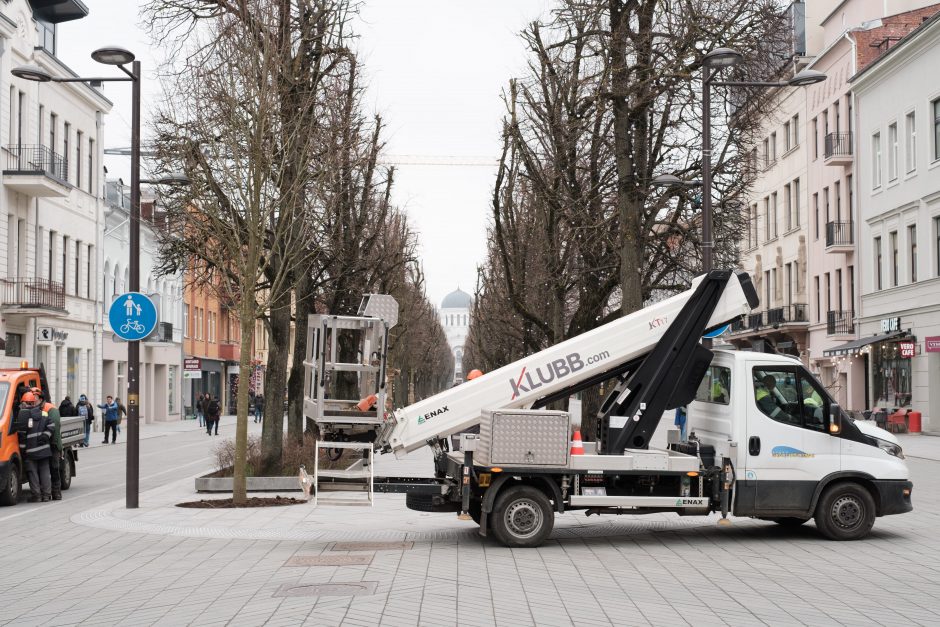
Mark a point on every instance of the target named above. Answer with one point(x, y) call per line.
point(73, 563)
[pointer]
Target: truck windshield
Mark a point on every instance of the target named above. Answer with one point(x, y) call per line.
point(4, 390)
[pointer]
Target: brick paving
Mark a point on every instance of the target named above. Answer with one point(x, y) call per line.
point(86, 560)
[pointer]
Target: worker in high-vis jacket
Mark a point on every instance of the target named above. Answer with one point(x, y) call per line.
point(36, 436)
point(769, 399)
point(812, 402)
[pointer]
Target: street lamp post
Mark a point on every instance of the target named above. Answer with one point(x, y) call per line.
point(712, 63)
point(120, 57)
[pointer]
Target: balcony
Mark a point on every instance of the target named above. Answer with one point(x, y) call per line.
point(32, 297)
point(839, 237)
point(230, 351)
point(840, 323)
point(36, 171)
point(163, 334)
point(839, 149)
point(795, 314)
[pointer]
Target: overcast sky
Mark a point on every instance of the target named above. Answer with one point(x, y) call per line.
point(435, 71)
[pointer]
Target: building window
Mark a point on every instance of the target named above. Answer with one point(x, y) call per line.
point(851, 198)
point(14, 347)
point(171, 390)
point(839, 289)
point(78, 159)
point(53, 120)
point(65, 262)
point(893, 152)
point(796, 202)
point(91, 166)
point(816, 215)
point(838, 197)
point(815, 139)
point(795, 128)
point(935, 105)
point(773, 211)
point(825, 194)
point(852, 287)
point(910, 146)
point(828, 292)
point(893, 240)
point(876, 161)
point(78, 265)
point(185, 320)
point(912, 240)
point(936, 232)
point(767, 153)
point(773, 146)
point(786, 137)
point(818, 308)
point(891, 375)
point(66, 132)
point(91, 254)
point(788, 205)
point(51, 268)
point(878, 263)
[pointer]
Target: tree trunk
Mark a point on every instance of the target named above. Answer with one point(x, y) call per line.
point(303, 306)
point(275, 380)
point(246, 321)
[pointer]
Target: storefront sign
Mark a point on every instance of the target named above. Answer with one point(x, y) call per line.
point(192, 363)
point(932, 343)
point(890, 324)
point(192, 374)
point(906, 348)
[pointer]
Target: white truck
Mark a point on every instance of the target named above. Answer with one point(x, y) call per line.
point(765, 438)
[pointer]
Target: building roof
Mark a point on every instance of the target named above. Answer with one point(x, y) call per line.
point(458, 299)
point(906, 39)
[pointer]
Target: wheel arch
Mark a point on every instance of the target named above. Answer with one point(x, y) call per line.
point(848, 476)
point(550, 488)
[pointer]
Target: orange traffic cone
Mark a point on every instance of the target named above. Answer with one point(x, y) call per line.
point(577, 446)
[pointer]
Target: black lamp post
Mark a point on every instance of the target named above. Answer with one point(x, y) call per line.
point(120, 57)
point(712, 63)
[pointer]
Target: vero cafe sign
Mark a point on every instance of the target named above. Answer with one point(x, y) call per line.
point(932, 343)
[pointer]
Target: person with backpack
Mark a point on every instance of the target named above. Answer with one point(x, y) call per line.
point(201, 409)
point(213, 415)
point(259, 407)
point(66, 408)
point(36, 433)
point(86, 411)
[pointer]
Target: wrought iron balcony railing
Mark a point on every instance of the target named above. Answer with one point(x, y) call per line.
point(839, 234)
point(26, 159)
point(840, 323)
point(39, 293)
point(839, 144)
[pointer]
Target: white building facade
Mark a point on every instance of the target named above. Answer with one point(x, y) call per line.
point(898, 107)
point(161, 353)
point(50, 287)
point(455, 318)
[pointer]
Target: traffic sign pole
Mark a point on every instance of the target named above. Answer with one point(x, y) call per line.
point(133, 347)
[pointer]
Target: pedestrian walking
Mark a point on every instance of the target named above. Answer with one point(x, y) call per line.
point(213, 414)
point(55, 460)
point(86, 411)
point(201, 410)
point(122, 411)
point(35, 433)
point(110, 419)
point(259, 407)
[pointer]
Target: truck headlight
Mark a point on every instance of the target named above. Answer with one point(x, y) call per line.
point(890, 448)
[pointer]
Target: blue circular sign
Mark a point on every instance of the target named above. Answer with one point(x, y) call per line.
point(132, 316)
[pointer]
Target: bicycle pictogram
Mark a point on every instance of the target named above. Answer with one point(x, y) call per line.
point(133, 325)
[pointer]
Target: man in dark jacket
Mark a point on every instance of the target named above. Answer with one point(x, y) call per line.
point(55, 461)
point(35, 439)
point(213, 413)
point(66, 408)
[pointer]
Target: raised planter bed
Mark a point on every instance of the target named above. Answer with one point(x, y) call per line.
point(211, 483)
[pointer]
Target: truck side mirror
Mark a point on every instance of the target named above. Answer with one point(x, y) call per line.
point(835, 419)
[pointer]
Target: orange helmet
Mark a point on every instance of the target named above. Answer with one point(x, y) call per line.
point(473, 374)
point(28, 397)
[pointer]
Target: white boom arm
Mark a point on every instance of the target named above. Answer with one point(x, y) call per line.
point(523, 382)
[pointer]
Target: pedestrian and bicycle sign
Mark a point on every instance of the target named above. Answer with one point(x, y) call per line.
point(132, 316)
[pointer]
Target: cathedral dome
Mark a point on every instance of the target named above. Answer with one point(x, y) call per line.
point(457, 299)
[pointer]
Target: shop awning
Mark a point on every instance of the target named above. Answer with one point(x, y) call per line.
point(854, 345)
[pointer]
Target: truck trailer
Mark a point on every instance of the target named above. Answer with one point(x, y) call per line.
point(765, 438)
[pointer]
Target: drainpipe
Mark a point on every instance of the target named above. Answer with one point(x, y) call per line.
point(853, 122)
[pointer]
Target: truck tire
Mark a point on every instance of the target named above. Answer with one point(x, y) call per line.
point(65, 470)
point(522, 517)
point(846, 511)
point(10, 493)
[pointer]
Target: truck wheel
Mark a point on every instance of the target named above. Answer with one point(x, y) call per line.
point(65, 471)
point(10, 494)
point(846, 511)
point(522, 517)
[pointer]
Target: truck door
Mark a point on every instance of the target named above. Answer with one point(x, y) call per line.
point(788, 448)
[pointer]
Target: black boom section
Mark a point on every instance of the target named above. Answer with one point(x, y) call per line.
point(671, 372)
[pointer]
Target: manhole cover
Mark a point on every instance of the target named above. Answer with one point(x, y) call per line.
point(327, 589)
point(372, 546)
point(328, 560)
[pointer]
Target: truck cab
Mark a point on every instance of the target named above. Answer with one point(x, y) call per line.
point(789, 441)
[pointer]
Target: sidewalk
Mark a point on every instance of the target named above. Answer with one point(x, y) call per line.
point(162, 429)
point(922, 445)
